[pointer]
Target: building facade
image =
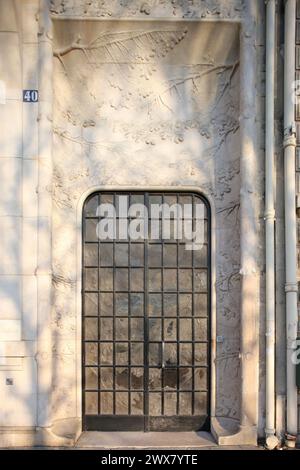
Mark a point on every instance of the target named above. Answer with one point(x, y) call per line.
point(157, 100)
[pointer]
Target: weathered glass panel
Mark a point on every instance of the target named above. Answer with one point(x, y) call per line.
point(155, 329)
point(106, 254)
point(185, 404)
point(137, 254)
point(155, 305)
point(137, 378)
point(91, 254)
point(170, 255)
point(155, 255)
point(137, 304)
point(137, 403)
point(91, 304)
point(170, 329)
point(91, 353)
point(137, 354)
point(106, 328)
point(154, 280)
point(121, 352)
point(90, 207)
point(185, 329)
point(200, 280)
point(200, 378)
point(170, 280)
point(106, 402)
point(185, 305)
point(121, 305)
point(106, 353)
point(185, 279)
point(121, 403)
point(155, 379)
point(122, 378)
point(91, 279)
point(137, 280)
point(121, 279)
point(91, 378)
point(91, 403)
point(91, 328)
point(91, 230)
point(155, 354)
point(186, 378)
point(121, 256)
point(170, 379)
point(170, 401)
point(155, 404)
point(200, 329)
point(170, 305)
point(184, 257)
point(121, 328)
point(136, 329)
point(106, 279)
point(106, 378)
point(200, 403)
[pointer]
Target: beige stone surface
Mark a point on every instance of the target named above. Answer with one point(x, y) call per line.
point(29, 252)
point(8, 21)
point(149, 440)
point(11, 128)
point(10, 63)
point(151, 101)
point(29, 308)
point(10, 298)
point(150, 8)
point(29, 187)
point(10, 181)
point(29, 12)
point(10, 249)
point(19, 398)
point(10, 330)
point(137, 97)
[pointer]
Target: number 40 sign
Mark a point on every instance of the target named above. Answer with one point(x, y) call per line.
point(30, 96)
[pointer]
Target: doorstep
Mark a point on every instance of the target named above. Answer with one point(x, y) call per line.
point(149, 440)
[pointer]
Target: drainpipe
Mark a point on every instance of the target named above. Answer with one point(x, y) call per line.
point(271, 439)
point(291, 287)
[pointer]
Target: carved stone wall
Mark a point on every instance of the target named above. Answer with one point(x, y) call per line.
point(146, 104)
point(148, 8)
point(146, 93)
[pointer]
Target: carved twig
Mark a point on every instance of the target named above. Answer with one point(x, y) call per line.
point(228, 83)
point(220, 68)
point(229, 209)
point(176, 82)
point(60, 280)
point(104, 40)
point(226, 282)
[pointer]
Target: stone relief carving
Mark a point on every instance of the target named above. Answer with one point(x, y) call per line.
point(140, 105)
point(228, 402)
point(141, 8)
point(159, 98)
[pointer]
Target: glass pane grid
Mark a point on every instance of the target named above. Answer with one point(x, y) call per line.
point(121, 279)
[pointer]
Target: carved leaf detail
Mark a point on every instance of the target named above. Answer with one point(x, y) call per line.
point(126, 46)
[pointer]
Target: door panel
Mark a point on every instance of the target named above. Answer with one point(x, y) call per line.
point(145, 342)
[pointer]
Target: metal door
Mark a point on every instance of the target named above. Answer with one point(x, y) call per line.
point(145, 333)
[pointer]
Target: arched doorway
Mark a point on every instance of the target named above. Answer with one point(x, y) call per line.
point(146, 306)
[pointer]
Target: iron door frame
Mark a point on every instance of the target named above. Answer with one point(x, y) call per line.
point(145, 422)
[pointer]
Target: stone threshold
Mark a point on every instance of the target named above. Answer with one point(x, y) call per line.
point(140, 440)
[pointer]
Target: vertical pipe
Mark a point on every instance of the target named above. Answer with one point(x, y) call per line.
point(271, 440)
point(44, 339)
point(289, 143)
